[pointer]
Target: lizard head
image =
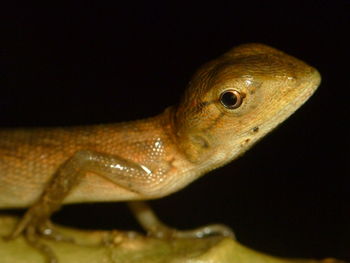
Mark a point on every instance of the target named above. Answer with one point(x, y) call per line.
point(235, 100)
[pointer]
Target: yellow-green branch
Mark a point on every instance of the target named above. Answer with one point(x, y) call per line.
point(114, 247)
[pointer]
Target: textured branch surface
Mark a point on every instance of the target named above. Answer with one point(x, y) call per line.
point(116, 247)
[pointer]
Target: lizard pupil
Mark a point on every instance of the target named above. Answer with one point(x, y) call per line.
point(231, 99)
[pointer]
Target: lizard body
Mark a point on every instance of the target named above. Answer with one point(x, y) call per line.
point(230, 104)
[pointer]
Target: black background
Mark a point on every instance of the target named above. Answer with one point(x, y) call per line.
point(83, 63)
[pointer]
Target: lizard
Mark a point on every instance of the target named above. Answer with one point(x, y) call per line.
point(230, 103)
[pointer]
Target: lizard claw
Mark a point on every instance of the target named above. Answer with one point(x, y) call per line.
point(48, 231)
point(165, 232)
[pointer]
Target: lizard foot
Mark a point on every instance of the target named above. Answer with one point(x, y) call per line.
point(156, 228)
point(33, 239)
point(32, 235)
point(34, 226)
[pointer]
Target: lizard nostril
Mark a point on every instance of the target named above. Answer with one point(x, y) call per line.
point(243, 143)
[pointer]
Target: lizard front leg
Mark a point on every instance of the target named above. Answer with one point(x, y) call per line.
point(35, 222)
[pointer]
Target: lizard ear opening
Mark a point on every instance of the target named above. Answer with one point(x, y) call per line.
point(231, 99)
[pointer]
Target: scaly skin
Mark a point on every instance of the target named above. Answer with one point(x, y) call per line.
point(44, 168)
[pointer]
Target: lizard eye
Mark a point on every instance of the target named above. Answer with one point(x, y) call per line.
point(231, 99)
